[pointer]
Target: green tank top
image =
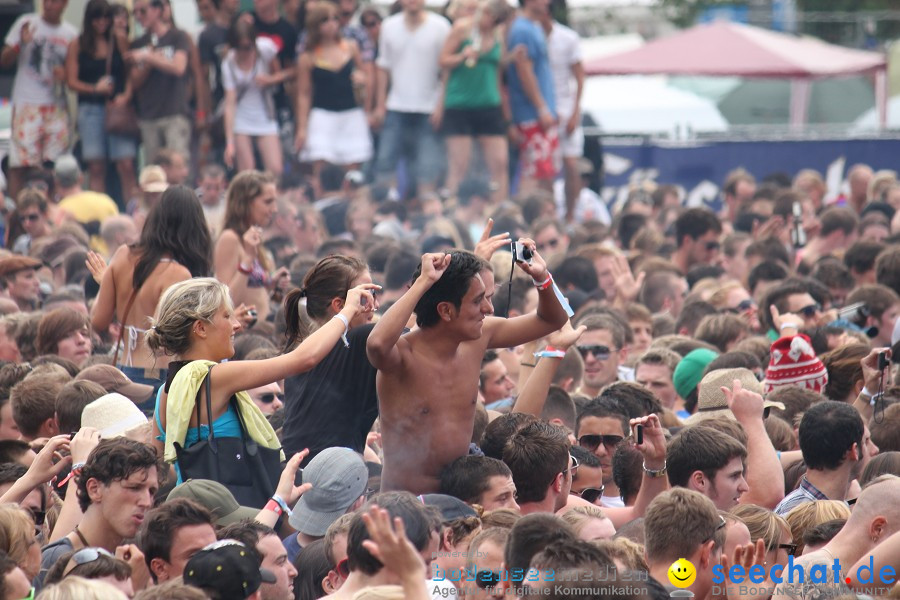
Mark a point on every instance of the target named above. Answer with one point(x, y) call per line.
point(475, 87)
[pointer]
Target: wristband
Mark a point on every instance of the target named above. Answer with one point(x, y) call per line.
point(655, 473)
point(525, 364)
point(273, 506)
point(550, 353)
point(282, 504)
point(346, 323)
point(788, 326)
point(201, 116)
point(75, 472)
point(544, 284)
point(243, 269)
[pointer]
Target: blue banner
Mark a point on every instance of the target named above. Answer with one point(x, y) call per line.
point(700, 168)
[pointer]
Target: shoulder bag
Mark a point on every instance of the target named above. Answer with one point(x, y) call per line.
point(249, 471)
point(120, 120)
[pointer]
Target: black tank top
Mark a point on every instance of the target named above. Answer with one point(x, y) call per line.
point(91, 70)
point(333, 90)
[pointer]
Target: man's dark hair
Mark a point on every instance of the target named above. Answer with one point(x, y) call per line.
point(516, 296)
point(701, 449)
point(770, 249)
point(734, 360)
point(398, 504)
point(627, 471)
point(501, 429)
point(115, 460)
point(247, 532)
point(580, 564)
point(399, 269)
point(627, 226)
point(861, 256)
point(12, 450)
point(691, 315)
point(163, 523)
point(531, 534)
point(604, 407)
point(695, 222)
point(636, 400)
point(838, 218)
point(559, 405)
point(468, 477)
point(336, 245)
point(823, 533)
point(10, 472)
point(877, 298)
point(451, 287)
point(778, 295)
point(887, 268)
point(657, 288)
point(536, 454)
point(796, 401)
point(577, 272)
point(832, 273)
point(828, 431)
point(71, 401)
point(765, 271)
point(34, 402)
point(698, 272)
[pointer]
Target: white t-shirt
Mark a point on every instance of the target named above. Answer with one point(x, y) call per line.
point(411, 58)
point(34, 82)
point(255, 110)
point(564, 49)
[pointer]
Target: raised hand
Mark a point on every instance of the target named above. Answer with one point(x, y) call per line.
point(786, 321)
point(83, 443)
point(289, 492)
point(566, 337)
point(488, 244)
point(252, 238)
point(246, 315)
point(140, 574)
point(360, 299)
point(96, 265)
point(871, 373)
point(745, 404)
point(538, 268)
point(434, 266)
point(50, 461)
point(627, 285)
point(26, 34)
point(654, 446)
point(390, 545)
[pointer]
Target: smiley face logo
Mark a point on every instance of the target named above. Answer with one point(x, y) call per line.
point(682, 573)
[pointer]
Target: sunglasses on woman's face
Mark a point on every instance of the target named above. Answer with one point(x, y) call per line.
point(270, 398)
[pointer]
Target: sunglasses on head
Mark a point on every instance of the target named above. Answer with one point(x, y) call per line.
point(86, 556)
point(722, 522)
point(269, 398)
point(811, 310)
point(592, 441)
point(573, 466)
point(598, 351)
point(487, 579)
point(591, 494)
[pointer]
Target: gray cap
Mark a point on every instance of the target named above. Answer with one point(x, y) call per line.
point(66, 170)
point(339, 477)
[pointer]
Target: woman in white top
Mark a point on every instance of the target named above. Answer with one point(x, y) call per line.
point(250, 70)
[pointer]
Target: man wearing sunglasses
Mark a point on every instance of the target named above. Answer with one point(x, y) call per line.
point(697, 233)
point(428, 379)
point(792, 296)
point(588, 481)
point(601, 427)
point(269, 398)
point(602, 347)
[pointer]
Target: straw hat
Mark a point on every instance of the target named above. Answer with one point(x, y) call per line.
point(113, 414)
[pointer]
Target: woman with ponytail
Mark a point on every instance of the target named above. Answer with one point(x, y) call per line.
point(334, 403)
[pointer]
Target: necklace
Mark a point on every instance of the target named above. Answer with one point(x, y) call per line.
point(81, 537)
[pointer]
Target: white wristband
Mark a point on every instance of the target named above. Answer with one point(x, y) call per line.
point(346, 323)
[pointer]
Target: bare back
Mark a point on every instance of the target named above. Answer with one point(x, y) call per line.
point(164, 274)
point(427, 409)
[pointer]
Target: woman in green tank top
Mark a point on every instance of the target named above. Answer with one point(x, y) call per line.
point(473, 108)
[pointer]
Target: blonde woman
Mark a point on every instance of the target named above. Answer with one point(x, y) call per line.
point(589, 523)
point(18, 539)
point(774, 530)
point(78, 588)
point(811, 514)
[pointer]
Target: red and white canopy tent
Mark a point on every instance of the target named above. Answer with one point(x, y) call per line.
point(736, 50)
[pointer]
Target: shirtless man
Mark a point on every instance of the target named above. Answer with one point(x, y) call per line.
point(428, 379)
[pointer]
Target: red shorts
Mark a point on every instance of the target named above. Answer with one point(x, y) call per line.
point(538, 151)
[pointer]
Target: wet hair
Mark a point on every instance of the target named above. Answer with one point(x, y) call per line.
point(332, 277)
point(114, 460)
point(175, 228)
point(451, 287)
point(180, 307)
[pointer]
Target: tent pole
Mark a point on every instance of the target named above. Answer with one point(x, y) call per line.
point(881, 103)
point(800, 92)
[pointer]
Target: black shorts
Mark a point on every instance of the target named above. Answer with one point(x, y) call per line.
point(474, 122)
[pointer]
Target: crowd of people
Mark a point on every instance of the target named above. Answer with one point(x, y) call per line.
point(294, 383)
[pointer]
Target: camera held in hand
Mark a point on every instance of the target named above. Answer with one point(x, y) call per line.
point(521, 253)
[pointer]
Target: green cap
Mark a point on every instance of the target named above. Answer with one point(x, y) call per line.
point(689, 371)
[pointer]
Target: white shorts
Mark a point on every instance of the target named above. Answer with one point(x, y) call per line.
point(340, 138)
point(571, 146)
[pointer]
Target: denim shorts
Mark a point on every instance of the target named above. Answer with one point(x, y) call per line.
point(96, 143)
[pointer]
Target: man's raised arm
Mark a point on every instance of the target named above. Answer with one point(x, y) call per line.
point(381, 346)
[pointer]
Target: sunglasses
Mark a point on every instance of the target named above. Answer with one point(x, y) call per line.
point(270, 398)
point(342, 569)
point(549, 244)
point(487, 579)
point(86, 556)
point(37, 516)
point(719, 526)
point(742, 307)
point(811, 310)
point(592, 442)
point(791, 548)
point(591, 494)
point(599, 352)
point(370, 24)
point(710, 246)
point(573, 467)
point(30, 218)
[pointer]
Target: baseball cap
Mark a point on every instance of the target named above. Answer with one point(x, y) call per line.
point(451, 508)
point(690, 369)
point(113, 414)
point(228, 567)
point(17, 262)
point(66, 170)
point(112, 379)
point(339, 477)
point(153, 179)
point(216, 498)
